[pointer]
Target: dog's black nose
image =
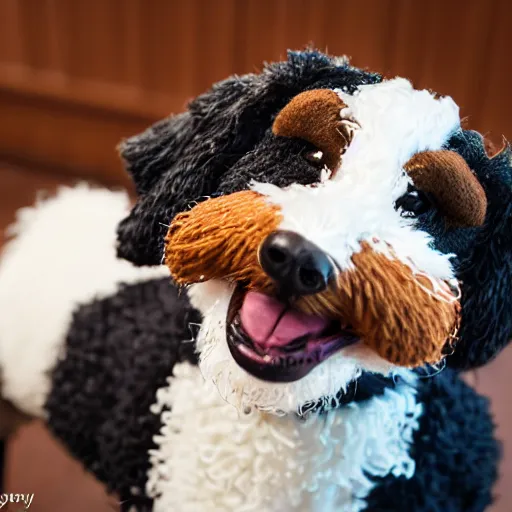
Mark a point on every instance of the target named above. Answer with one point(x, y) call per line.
point(298, 266)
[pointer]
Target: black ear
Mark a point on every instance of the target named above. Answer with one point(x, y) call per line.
point(178, 161)
point(486, 271)
point(149, 155)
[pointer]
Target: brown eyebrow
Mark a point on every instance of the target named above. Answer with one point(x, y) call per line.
point(314, 116)
point(447, 176)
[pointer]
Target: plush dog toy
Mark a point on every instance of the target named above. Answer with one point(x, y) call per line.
point(339, 249)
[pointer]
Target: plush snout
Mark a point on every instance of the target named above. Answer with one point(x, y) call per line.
point(219, 239)
point(406, 317)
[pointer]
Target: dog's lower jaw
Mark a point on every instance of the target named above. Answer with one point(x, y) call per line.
point(245, 391)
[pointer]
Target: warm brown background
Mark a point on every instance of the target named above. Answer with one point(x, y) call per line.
point(78, 75)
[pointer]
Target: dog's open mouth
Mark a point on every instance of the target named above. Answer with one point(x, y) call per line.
point(274, 342)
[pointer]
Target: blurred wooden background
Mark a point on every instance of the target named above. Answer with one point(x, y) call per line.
point(78, 75)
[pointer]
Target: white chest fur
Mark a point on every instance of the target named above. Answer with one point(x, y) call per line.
point(213, 458)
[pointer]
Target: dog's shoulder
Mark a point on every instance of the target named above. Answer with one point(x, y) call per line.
point(119, 351)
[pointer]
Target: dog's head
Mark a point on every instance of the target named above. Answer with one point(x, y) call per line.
point(317, 215)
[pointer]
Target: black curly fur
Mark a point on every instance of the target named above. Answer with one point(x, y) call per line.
point(119, 351)
point(454, 450)
point(486, 269)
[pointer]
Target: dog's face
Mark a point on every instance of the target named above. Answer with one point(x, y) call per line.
point(324, 241)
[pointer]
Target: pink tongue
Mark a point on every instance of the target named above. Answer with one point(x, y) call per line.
point(263, 320)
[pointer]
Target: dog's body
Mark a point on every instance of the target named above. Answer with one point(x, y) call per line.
point(389, 447)
point(329, 385)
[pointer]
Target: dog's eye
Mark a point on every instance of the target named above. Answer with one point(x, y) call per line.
point(315, 157)
point(413, 203)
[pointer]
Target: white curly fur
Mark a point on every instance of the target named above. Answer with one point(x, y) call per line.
point(62, 254)
point(211, 457)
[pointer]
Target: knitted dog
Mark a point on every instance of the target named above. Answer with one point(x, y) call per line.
point(340, 248)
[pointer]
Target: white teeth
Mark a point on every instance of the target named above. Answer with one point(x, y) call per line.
point(350, 128)
point(325, 175)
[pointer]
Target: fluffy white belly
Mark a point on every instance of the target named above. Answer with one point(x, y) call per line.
point(213, 458)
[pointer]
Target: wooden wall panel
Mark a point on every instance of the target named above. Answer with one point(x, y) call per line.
point(168, 48)
point(496, 107)
point(446, 45)
point(111, 66)
point(10, 33)
point(364, 31)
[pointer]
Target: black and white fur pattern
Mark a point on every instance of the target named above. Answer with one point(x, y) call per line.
point(113, 367)
point(369, 181)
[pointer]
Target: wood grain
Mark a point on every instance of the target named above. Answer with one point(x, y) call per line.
point(124, 64)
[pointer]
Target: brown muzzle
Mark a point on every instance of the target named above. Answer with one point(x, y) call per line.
point(406, 317)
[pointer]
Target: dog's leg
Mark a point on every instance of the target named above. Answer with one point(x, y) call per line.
point(10, 419)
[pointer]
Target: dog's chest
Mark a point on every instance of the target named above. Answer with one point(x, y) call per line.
point(212, 458)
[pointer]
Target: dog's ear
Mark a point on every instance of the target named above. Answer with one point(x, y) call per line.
point(179, 160)
point(149, 155)
point(486, 270)
point(183, 159)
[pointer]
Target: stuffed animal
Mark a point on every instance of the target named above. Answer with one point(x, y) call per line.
point(280, 321)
